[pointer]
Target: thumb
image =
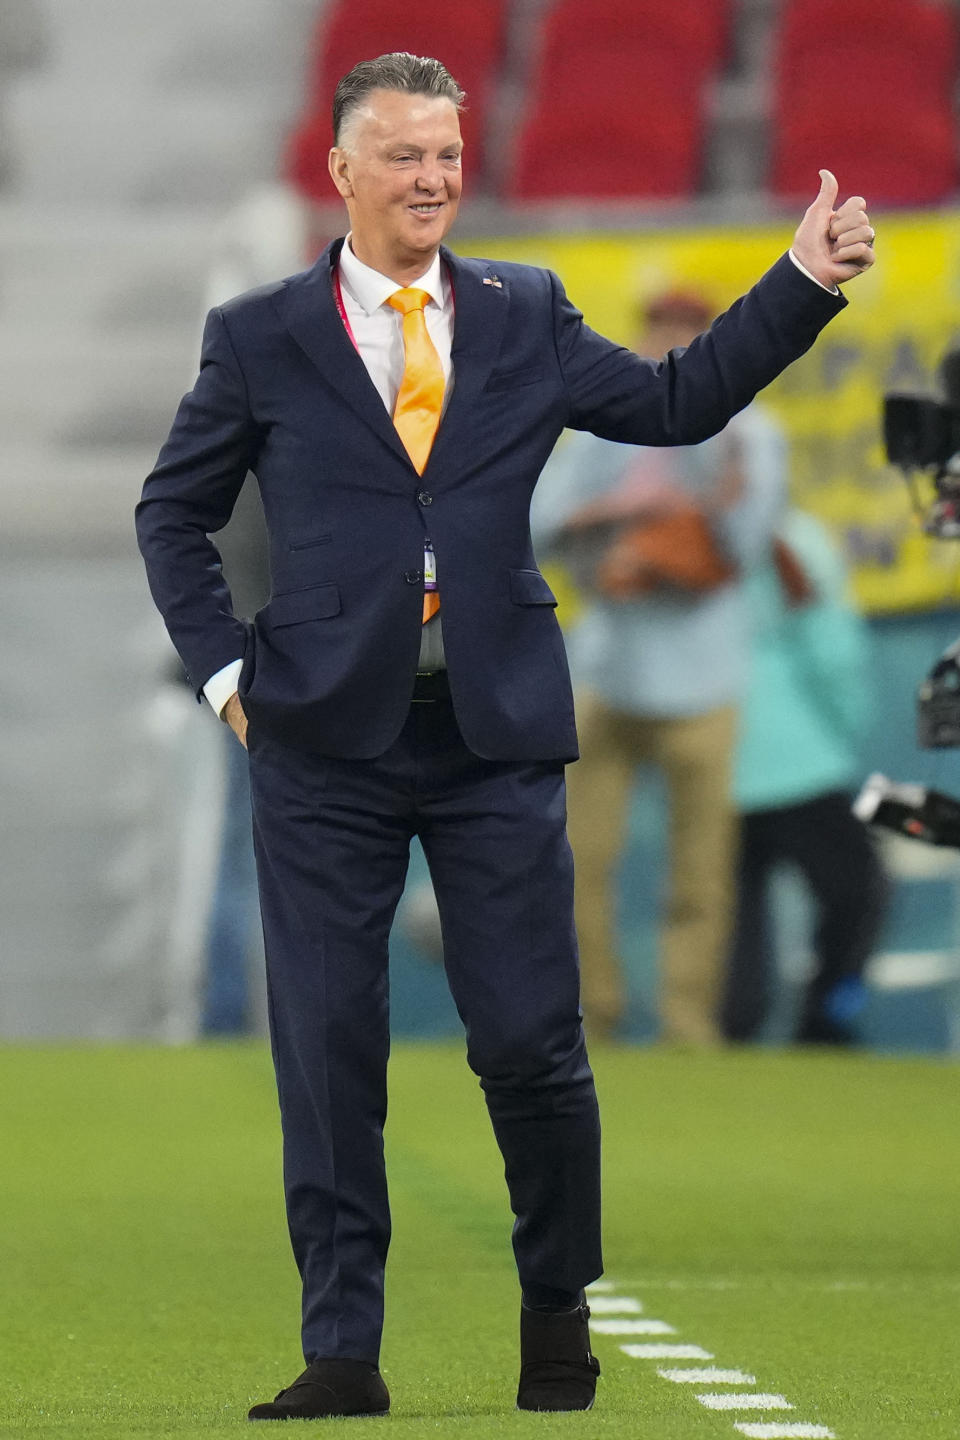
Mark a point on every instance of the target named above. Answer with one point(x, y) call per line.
point(829, 190)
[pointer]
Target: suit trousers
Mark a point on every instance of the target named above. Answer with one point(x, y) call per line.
point(332, 840)
point(695, 754)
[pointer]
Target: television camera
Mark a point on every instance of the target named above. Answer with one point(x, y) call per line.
point(922, 433)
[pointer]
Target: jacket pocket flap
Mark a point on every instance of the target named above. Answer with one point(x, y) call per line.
point(528, 587)
point(510, 379)
point(317, 603)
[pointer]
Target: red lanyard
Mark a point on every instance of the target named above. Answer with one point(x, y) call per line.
point(341, 308)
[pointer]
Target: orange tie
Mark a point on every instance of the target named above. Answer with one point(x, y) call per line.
point(416, 413)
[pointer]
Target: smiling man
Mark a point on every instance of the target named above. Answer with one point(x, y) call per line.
point(408, 677)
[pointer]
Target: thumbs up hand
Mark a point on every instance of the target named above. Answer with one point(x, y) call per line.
point(835, 245)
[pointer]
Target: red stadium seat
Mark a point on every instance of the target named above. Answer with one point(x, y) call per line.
point(695, 29)
point(922, 33)
point(646, 142)
point(910, 159)
point(639, 72)
point(877, 109)
point(305, 158)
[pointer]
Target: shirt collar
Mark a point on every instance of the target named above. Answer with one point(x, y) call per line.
point(370, 289)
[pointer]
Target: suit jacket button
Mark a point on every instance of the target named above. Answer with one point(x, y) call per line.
point(413, 577)
point(424, 497)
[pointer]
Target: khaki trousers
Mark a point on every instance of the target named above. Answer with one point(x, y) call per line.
point(696, 756)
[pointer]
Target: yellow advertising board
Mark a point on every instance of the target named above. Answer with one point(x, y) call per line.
point(901, 318)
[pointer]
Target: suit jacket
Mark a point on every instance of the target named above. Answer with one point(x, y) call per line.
point(329, 663)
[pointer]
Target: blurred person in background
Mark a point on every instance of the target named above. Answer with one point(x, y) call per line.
point(408, 677)
point(798, 763)
point(660, 542)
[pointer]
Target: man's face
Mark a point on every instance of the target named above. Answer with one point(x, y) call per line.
point(399, 173)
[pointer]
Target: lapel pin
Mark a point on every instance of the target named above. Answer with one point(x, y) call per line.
point(493, 280)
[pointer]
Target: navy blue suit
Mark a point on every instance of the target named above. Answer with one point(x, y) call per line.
point(344, 770)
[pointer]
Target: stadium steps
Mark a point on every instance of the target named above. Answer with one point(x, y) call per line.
point(737, 150)
point(134, 130)
point(99, 265)
point(91, 777)
point(89, 372)
point(158, 103)
point(99, 323)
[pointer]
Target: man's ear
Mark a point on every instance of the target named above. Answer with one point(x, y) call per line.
point(338, 164)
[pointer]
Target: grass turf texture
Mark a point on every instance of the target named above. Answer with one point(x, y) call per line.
point(797, 1215)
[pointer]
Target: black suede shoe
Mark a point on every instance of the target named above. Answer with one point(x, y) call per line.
point(557, 1371)
point(326, 1388)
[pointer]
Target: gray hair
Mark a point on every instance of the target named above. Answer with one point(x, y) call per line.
point(414, 74)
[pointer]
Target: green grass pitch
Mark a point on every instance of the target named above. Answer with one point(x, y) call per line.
point(796, 1215)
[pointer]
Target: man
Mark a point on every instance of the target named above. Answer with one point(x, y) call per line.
point(373, 715)
point(660, 541)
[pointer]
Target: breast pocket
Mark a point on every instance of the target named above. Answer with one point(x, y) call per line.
point(514, 379)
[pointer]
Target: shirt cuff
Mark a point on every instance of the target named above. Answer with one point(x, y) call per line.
point(223, 684)
point(830, 289)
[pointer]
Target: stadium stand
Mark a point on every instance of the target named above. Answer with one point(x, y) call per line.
point(127, 132)
point(891, 113)
point(647, 83)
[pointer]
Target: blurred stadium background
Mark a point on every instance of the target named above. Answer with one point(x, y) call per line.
point(150, 155)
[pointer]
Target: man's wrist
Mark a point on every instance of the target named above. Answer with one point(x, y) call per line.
point(830, 289)
point(222, 685)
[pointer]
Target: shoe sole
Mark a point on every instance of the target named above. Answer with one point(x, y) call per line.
point(274, 1419)
point(579, 1410)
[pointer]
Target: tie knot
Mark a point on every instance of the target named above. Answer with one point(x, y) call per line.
point(406, 301)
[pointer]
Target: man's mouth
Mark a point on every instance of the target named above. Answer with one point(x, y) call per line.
point(430, 208)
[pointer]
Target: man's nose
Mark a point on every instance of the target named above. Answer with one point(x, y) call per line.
point(430, 176)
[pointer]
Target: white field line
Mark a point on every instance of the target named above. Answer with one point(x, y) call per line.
point(707, 1376)
point(812, 1287)
point(798, 1430)
point(631, 1327)
point(752, 1400)
point(614, 1305)
point(666, 1352)
point(601, 1287)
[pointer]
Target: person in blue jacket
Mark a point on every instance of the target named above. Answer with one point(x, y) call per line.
point(798, 762)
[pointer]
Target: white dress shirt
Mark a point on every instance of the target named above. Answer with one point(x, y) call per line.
point(830, 289)
point(378, 333)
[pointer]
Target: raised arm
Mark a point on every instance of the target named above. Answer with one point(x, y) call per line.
point(692, 393)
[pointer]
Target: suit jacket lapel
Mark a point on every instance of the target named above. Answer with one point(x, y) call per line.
point(479, 319)
point(311, 316)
